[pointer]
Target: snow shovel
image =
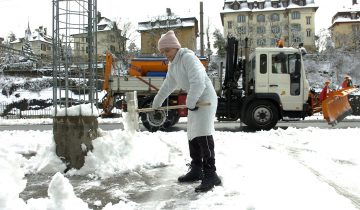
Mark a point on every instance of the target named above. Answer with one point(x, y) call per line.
point(336, 106)
point(133, 112)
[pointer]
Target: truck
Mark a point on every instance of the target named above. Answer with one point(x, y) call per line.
point(259, 89)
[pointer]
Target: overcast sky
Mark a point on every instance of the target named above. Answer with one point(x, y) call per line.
point(15, 14)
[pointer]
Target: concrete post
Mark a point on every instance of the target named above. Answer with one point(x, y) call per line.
point(132, 116)
point(73, 136)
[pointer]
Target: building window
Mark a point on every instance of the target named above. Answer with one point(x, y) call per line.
point(229, 24)
point(236, 7)
point(260, 18)
point(261, 5)
point(261, 42)
point(295, 15)
point(43, 47)
point(297, 39)
point(308, 32)
point(275, 29)
point(241, 18)
point(308, 20)
point(275, 17)
point(241, 30)
point(302, 3)
point(295, 27)
point(273, 41)
point(112, 48)
point(260, 30)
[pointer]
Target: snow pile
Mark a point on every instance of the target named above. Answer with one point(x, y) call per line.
point(79, 110)
point(61, 196)
point(11, 180)
point(120, 151)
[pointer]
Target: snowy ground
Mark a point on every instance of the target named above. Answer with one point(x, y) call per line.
point(279, 169)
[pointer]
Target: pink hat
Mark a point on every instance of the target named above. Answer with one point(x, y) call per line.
point(168, 40)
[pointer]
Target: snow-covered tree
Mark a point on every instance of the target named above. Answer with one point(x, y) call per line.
point(219, 43)
point(27, 49)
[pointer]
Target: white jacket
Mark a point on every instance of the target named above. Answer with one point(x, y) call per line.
point(186, 72)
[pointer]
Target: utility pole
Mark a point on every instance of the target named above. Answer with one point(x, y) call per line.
point(201, 29)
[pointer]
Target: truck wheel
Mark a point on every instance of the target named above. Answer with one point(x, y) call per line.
point(262, 115)
point(159, 120)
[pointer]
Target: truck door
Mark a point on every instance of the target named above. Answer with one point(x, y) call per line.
point(284, 79)
point(261, 84)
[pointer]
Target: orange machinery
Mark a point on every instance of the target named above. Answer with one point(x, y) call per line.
point(153, 66)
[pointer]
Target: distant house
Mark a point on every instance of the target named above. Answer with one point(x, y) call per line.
point(185, 28)
point(108, 38)
point(39, 40)
point(266, 21)
point(345, 27)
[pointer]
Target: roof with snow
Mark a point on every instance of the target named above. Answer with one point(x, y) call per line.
point(40, 34)
point(231, 6)
point(166, 22)
point(105, 24)
point(347, 15)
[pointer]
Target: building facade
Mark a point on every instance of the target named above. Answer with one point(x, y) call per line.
point(266, 21)
point(186, 30)
point(108, 38)
point(40, 42)
point(345, 28)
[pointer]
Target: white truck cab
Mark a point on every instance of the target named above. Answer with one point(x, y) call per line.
point(280, 71)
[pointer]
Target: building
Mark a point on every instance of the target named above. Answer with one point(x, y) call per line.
point(108, 38)
point(40, 42)
point(345, 27)
point(185, 28)
point(266, 21)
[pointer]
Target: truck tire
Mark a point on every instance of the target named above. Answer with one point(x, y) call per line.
point(158, 120)
point(262, 115)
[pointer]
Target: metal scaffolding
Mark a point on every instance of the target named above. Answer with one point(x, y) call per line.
point(74, 53)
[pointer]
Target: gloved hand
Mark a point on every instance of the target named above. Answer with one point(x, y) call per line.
point(194, 109)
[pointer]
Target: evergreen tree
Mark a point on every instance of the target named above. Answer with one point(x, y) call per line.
point(26, 48)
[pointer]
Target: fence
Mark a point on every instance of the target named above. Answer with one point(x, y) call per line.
point(9, 111)
point(23, 110)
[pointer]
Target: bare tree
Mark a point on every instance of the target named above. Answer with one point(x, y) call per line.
point(11, 37)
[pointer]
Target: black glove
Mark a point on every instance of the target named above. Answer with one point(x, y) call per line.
point(194, 109)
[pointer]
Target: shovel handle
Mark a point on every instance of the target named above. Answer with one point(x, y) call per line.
point(183, 106)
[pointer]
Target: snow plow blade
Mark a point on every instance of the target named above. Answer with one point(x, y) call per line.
point(336, 106)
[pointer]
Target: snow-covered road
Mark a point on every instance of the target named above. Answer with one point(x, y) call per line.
point(308, 168)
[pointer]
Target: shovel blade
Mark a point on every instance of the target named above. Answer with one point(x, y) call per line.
point(336, 106)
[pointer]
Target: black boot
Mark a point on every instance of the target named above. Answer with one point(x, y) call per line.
point(210, 180)
point(195, 168)
point(195, 174)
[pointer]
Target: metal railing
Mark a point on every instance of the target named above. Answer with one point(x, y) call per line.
point(9, 111)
